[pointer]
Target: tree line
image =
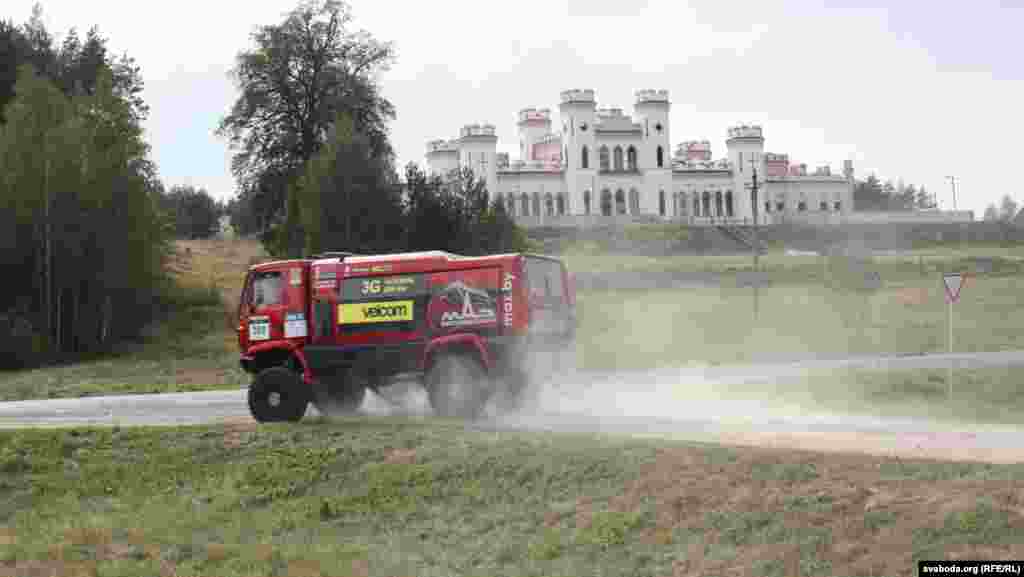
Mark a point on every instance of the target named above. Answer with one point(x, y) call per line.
point(84, 244)
point(314, 164)
point(87, 226)
point(871, 194)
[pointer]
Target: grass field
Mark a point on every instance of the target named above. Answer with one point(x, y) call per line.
point(635, 329)
point(394, 497)
point(812, 308)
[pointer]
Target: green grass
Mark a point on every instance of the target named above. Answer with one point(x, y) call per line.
point(639, 329)
point(259, 501)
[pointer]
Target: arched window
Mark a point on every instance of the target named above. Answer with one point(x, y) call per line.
point(585, 158)
point(606, 202)
point(549, 204)
point(631, 157)
point(661, 157)
point(561, 204)
point(728, 203)
point(696, 205)
point(707, 203)
point(634, 201)
point(536, 203)
point(586, 202)
point(620, 197)
point(681, 210)
point(718, 203)
point(525, 201)
point(604, 158)
point(661, 202)
point(618, 158)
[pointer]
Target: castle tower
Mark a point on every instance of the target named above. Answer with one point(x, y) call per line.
point(442, 157)
point(746, 144)
point(478, 151)
point(533, 125)
point(654, 157)
point(576, 111)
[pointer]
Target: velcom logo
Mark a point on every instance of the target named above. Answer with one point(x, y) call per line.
point(379, 312)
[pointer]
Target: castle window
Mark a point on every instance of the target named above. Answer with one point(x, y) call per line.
point(634, 201)
point(561, 204)
point(661, 154)
point(604, 157)
point(707, 203)
point(802, 207)
point(586, 202)
point(525, 200)
point(618, 158)
point(838, 206)
point(606, 202)
point(549, 205)
point(718, 203)
point(767, 206)
point(511, 206)
point(661, 202)
point(620, 197)
point(536, 203)
point(779, 207)
point(631, 158)
point(696, 205)
point(728, 203)
point(585, 158)
point(824, 205)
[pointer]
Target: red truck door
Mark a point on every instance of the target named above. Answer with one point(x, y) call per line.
point(273, 305)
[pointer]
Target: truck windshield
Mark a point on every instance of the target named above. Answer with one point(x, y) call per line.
point(267, 289)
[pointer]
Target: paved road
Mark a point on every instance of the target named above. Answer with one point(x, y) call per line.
point(648, 403)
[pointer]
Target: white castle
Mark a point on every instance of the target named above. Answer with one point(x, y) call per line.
point(603, 163)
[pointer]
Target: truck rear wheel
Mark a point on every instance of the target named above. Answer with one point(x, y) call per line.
point(341, 396)
point(277, 394)
point(457, 386)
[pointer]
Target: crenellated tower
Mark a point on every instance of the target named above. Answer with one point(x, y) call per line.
point(746, 144)
point(654, 157)
point(577, 110)
point(478, 145)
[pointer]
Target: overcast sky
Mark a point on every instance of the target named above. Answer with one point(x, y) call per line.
point(917, 90)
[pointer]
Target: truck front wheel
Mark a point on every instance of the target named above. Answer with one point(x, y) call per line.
point(277, 394)
point(457, 386)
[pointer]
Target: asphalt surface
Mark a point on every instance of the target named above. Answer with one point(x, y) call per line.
point(641, 403)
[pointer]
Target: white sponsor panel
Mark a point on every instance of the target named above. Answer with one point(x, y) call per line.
point(295, 326)
point(259, 328)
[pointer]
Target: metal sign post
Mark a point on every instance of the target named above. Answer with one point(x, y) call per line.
point(954, 283)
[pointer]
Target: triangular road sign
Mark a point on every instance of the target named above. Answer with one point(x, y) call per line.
point(953, 282)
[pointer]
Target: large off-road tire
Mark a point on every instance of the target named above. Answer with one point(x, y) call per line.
point(278, 394)
point(341, 396)
point(457, 385)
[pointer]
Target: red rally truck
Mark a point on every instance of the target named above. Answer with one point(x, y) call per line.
point(324, 329)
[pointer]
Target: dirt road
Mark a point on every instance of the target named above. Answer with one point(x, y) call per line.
point(653, 403)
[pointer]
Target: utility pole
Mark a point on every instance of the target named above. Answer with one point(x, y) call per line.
point(753, 186)
point(953, 181)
